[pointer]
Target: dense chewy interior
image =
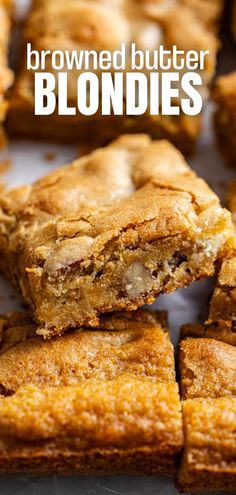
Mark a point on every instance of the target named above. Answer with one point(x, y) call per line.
point(124, 279)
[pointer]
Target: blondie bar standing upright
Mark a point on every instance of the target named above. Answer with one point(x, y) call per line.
point(111, 231)
point(223, 302)
point(93, 402)
point(208, 390)
point(98, 25)
point(208, 378)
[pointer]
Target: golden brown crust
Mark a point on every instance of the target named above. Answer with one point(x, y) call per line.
point(220, 330)
point(89, 402)
point(210, 445)
point(105, 25)
point(208, 377)
point(224, 94)
point(109, 232)
point(105, 418)
point(223, 302)
point(139, 346)
point(208, 368)
point(94, 414)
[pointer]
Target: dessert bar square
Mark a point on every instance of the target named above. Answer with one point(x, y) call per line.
point(208, 377)
point(99, 25)
point(223, 302)
point(111, 231)
point(224, 94)
point(103, 402)
point(6, 76)
point(209, 456)
point(207, 364)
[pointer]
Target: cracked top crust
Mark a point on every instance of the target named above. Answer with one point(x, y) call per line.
point(129, 182)
point(124, 345)
point(111, 388)
point(73, 212)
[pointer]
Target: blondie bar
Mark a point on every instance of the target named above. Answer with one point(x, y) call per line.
point(6, 76)
point(223, 302)
point(111, 231)
point(99, 25)
point(224, 94)
point(89, 402)
point(208, 377)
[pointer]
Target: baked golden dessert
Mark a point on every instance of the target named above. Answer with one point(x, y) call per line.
point(101, 24)
point(224, 94)
point(210, 331)
point(89, 402)
point(111, 231)
point(223, 301)
point(6, 76)
point(208, 390)
point(209, 12)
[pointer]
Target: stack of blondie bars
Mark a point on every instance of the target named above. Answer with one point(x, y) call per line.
point(87, 377)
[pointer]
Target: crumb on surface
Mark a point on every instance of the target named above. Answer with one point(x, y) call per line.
point(50, 156)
